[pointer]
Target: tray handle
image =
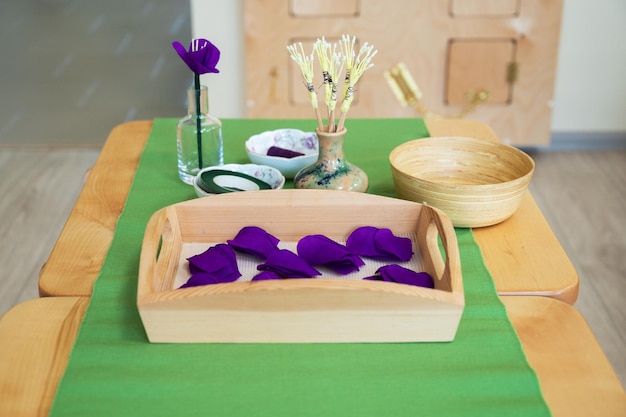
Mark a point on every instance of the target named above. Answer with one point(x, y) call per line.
point(157, 252)
point(430, 227)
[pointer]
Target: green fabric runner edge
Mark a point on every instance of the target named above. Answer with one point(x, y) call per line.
point(107, 375)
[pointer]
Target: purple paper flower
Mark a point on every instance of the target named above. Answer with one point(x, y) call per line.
point(202, 56)
point(254, 241)
point(379, 244)
point(401, 275)
point(288, 265)
point(321, 250)
point(218, 261)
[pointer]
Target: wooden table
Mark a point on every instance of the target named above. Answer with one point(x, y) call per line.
point(522, 253)
point(575, 376)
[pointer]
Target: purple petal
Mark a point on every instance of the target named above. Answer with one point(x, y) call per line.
point(266, 275)
point(283, 153)
point(393, 247)
point(374, 278)
point(211, 58)
point(380, 244)
point(321, 250)
point(219, 260)
point(401, 275)
point(202, 278)
point(254, 241)
point(345, 266)
point(288, 265)
point(362, 241)
point(182, 53)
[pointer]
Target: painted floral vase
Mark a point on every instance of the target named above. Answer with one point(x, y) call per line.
point(332, 171)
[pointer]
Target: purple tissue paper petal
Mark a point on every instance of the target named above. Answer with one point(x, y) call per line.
point(288, 265)
point(202, 278)
point(219, 260)
point(380, 244)
point(195, 270)
point(397, 248)
point(266, 275)
point(374, 278)
point(401, 275)
point(254, 241)
point(344, 267)
point(321, 250)
point(361, 241)
point(201, 57)
point(283, 153)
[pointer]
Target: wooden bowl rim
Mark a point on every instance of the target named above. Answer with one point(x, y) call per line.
point(522, 180)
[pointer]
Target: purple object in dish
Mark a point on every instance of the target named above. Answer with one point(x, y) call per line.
point(282, 152)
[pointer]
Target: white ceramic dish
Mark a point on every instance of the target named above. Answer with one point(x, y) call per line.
point(267, 174)
point(290, 139)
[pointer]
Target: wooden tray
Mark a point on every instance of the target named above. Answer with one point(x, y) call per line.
point(298, 310)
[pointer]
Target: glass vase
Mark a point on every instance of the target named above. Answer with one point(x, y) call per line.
point(332, 170)
point(197, 151)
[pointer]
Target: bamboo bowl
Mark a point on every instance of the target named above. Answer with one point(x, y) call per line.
point(476, 182)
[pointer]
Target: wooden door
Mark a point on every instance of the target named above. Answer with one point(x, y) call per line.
point(450, 47)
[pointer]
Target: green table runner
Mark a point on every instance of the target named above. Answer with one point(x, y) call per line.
point(113, 371)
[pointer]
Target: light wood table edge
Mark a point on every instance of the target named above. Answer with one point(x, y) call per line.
point(78, 255)
point(522, 252)
point(574, 374)
point(36, 338)
point(514, 251)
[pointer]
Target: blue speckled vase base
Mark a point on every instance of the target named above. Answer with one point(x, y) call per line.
point(332, 171)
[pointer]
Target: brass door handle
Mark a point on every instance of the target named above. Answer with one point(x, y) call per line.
point(408, 93)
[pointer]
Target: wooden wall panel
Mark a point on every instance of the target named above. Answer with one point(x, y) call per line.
point(495, 8)
point(492, 56)
point(324, 8)
point(418, 33)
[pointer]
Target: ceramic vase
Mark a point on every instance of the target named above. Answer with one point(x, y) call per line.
point(332, 171)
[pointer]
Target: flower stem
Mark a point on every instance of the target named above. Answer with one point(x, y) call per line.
point(196, 80)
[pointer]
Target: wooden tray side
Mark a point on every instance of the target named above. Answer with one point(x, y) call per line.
point(293, 214)
point(297, 310)
point(161, 248)
point(302, 311)
point(446, 273)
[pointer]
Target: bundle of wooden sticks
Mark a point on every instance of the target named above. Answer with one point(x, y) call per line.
point(333, 60)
